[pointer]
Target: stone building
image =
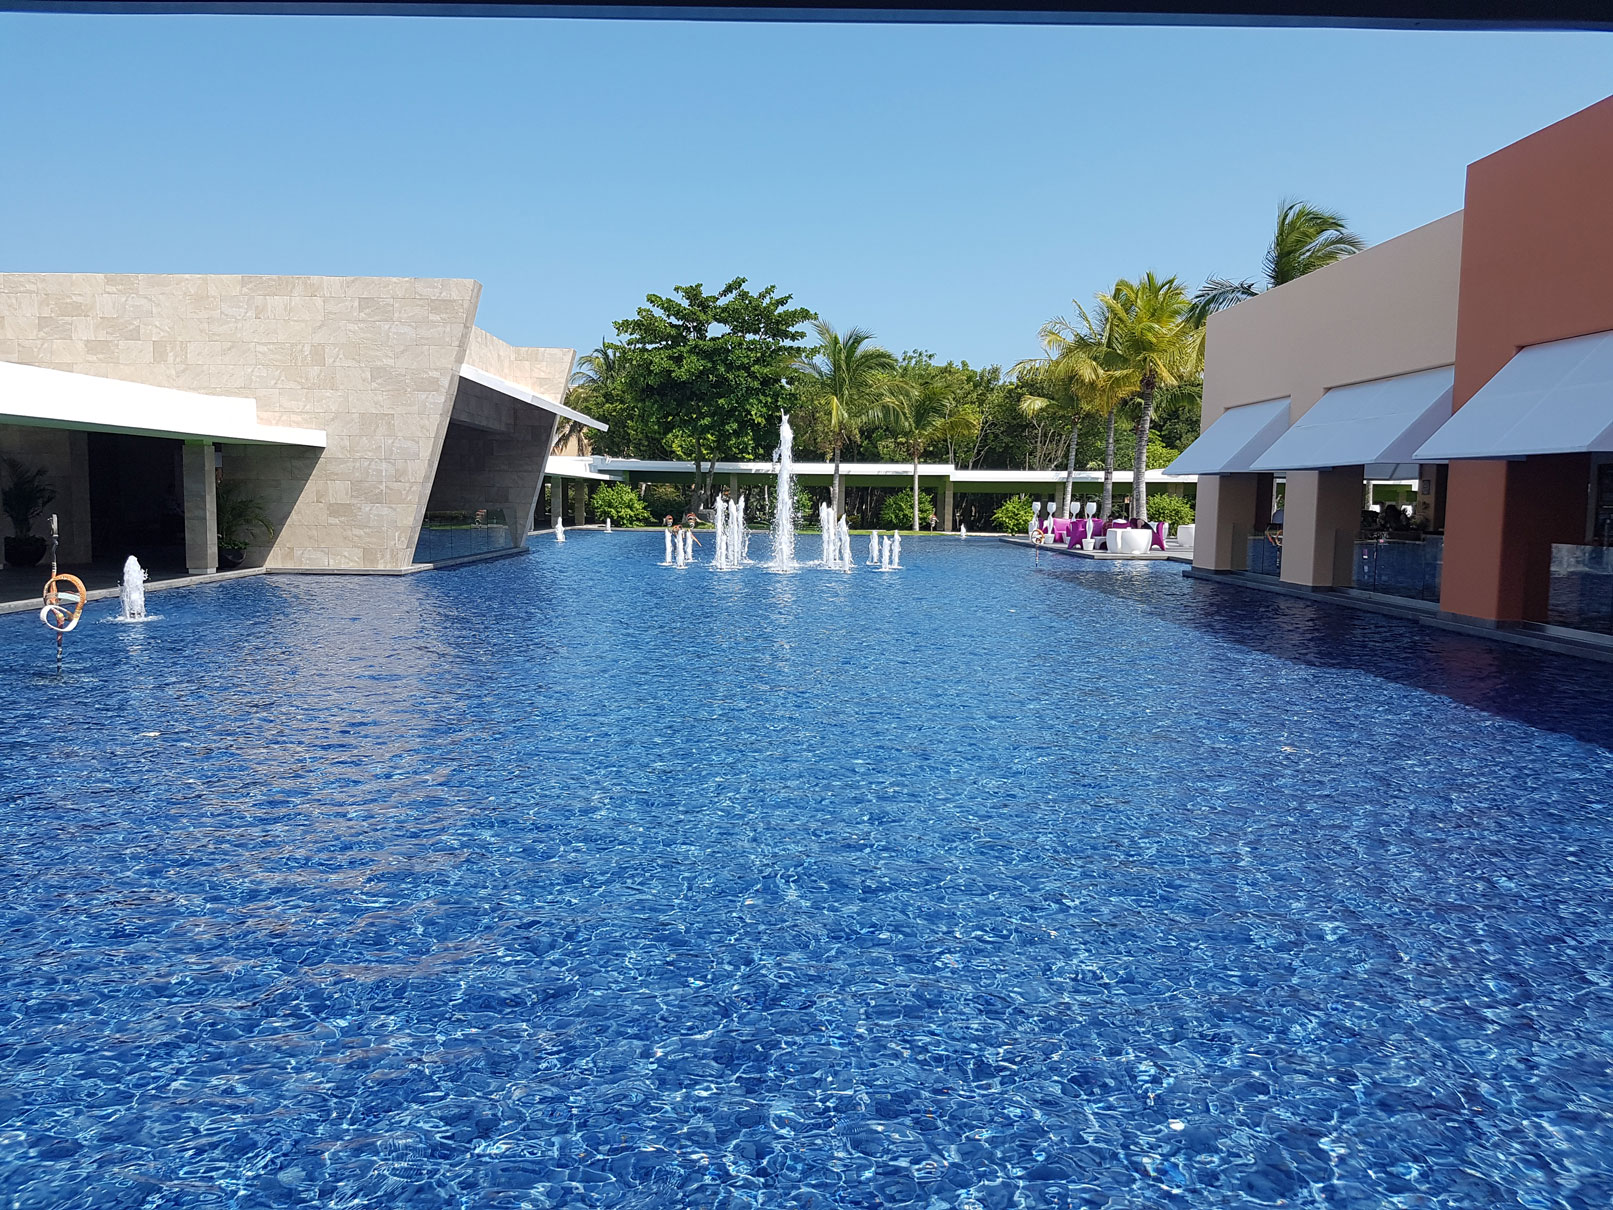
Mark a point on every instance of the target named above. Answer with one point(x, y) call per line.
point(371, 420)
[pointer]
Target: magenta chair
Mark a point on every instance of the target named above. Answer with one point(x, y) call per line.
point(1159, 535)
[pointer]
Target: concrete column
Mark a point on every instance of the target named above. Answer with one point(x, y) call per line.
point(201, 509)
point(1321, 517)
point(1432, 481)
point(1226, 520)
point(74, 503)
point(733, 487)
point(1502, 521)
point(579, 501)
point(946, 505)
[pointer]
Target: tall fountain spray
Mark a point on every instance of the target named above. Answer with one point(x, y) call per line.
point(873, 548)
point(731, 534)
point(667, 534)
point(559, 529)
point(607, 525)
point(830, 535)
point(896, 549)
point(845, 544)
point(133, 591)
point(963, 531)
point(784, 504)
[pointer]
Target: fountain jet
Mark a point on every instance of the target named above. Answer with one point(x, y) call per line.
point(784, 505)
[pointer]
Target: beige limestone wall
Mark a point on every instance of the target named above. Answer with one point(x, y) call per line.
point(373, 361)
point(545, 372)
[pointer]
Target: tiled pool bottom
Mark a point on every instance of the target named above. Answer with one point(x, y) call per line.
point(571, 880)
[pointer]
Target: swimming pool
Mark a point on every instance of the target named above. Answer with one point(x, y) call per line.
point(573, 880)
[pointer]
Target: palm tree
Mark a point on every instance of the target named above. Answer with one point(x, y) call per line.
point(1307, 239)
point(855, 378)
point(595, 375)
point(929, 414)
point(1087, 381)
point(1150, 330)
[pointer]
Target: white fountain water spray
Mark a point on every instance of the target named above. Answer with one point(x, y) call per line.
point(896, 549)
point(133, 591)
point(826, 531)
point(963, 531)
point(668, 561)
point(559, 529)
point(885, 555)
point(784, 503)
point(743, 541)
point(873, 548)
point(607, 525)
point(845, 544)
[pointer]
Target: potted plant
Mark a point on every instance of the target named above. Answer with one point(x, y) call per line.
point(25, 496)
point(238, 516)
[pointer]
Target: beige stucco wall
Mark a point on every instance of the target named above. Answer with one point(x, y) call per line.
point(373, 361)
point(1388, 310)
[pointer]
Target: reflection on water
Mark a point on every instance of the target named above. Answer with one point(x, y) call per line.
point(572, 881)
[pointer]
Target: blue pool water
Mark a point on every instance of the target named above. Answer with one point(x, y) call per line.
point(572, 880)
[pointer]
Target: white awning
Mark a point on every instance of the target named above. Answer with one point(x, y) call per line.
point(494, 382)
point(1238, 436)
point(1378, 422)
point(57, 399)
point(1554, 398)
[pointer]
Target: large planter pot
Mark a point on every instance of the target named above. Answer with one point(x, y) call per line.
point(229, 559)
point(25, 552)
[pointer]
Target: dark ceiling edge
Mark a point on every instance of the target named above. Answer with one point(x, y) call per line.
point(1588, 15)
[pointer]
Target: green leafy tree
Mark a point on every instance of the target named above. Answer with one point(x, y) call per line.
point(853, 380)
point(707, 372)
point(620, 505)
point(1307, 239)
point(1173, 509)
point(1013, 517)
point(902, 505)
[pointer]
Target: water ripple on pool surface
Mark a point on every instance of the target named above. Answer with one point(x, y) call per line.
point(571, 880)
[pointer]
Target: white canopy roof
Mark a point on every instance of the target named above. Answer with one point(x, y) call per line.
point(1554, 398)
point(1234, 441)
point(58, 399)
point(1378, 422)
point(504, 387)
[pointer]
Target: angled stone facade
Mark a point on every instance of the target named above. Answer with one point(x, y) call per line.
point(372, 361)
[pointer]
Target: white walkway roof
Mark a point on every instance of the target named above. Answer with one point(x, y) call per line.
point(503, 387)
point(1234, 441)
point(1370, 423)
point(1554, 398)
point(57, 399)
point(598, 466)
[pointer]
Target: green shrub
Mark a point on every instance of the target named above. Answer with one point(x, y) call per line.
point(1174, 509)
point(897, 512)
point(1013, 517)
point(619, 504)
point(664, 500)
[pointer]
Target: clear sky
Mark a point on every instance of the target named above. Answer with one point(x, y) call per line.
point(948, 187)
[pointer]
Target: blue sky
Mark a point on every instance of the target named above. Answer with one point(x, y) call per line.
point(948, 187)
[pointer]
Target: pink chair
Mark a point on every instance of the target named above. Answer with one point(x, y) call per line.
point(1159, 535)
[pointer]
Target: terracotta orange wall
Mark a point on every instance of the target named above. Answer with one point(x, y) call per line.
point(1537, 260)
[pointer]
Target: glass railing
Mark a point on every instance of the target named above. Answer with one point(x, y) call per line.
point(459, 534)
point(1265, 557)
point(1582, 588)
point(1408, 565)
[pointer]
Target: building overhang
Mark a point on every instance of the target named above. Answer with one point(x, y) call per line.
point(1379, 423)
point(41, 398)
point(1552, 398)
point(1238, 437)
point(505, 387)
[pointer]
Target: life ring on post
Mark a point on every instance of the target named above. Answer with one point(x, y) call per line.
point(64, 602)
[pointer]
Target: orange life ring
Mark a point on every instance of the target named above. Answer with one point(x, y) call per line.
point(64, 602)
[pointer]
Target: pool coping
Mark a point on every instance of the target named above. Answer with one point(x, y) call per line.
point(32, 604)
point(1535, 635)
